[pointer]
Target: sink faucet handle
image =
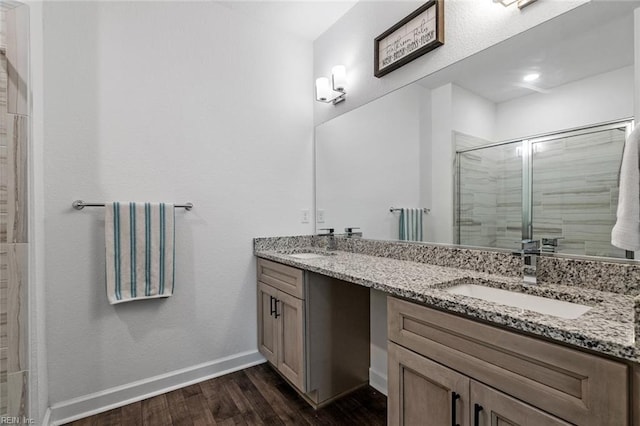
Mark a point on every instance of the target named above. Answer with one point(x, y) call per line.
point(329, 231)
point(551, 241)
point(549, 245)
point(351, 232)
point(529, 246)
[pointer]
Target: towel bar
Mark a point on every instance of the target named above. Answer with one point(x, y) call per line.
point(79, 205)
point(397, 209)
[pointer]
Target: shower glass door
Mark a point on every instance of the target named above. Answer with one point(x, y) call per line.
point(489, 198)
point(575, 189)
point(562, 186)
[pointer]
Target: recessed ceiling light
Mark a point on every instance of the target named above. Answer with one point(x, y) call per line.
point(531, 77)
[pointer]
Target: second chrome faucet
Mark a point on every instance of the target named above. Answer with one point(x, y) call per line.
point(331, 238)
point(332, 244)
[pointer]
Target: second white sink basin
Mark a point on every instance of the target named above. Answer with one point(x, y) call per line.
point(557, 308)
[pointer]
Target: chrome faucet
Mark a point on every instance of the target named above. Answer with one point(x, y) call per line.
point(332, 244)
point(529, 251)
point(349, 232)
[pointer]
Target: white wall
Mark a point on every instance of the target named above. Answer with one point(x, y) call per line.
point(472, 114)
point(426, 154)
point(470, 26)
point(598, 99)
point(440, 220)
point(180, 101)
point(384, 134)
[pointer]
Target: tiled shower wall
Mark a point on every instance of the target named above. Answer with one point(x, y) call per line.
point(575, 192)
point(490, 194)
point(14, 142)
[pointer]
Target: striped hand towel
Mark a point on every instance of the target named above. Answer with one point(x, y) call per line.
point(410, 226)
point(140, 252)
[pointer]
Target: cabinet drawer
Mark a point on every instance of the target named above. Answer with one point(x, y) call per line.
point(578, 387)
point(284, 278)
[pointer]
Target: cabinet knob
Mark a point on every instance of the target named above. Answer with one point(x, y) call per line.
point(454, 397)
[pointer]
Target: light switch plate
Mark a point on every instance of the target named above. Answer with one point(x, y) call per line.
point(320, 216)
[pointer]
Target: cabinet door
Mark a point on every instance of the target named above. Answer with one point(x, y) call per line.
point(267, 323)
point(424, 392)
point(290, 313)
point(493, 408)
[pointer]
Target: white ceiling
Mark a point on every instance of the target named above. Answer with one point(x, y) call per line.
point(593, 39)
point(561, 50)
point(305, 18)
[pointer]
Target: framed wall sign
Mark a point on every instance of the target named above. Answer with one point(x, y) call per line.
point(415, 35)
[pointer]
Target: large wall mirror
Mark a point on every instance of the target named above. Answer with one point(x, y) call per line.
point(466, 145)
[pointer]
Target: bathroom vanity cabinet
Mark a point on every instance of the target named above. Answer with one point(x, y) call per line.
point(281, 320)
point(453, 370)
point(314, 330)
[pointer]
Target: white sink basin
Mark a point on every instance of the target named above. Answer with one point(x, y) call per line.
point(557, 308)
point(307, 255)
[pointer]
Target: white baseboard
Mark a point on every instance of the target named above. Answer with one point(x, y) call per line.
point(378, 381)
point(88, 405)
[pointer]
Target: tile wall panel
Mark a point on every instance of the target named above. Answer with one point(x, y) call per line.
point(17, 255)
point(3, 381)
point(4, 118)
point(17, 25)
point(17, 394)
point(14, 145)
point(4, 295)
point(17, 205)
point(3, 220)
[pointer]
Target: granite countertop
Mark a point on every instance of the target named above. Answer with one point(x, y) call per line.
point(608, 327)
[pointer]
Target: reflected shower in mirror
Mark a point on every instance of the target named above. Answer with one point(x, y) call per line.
point(570, 199)
point(399, 150)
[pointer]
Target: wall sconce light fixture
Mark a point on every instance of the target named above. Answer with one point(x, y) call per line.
point(335, 93)
point(521, 3)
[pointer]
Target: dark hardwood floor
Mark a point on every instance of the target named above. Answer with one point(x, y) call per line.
point(254, 396)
